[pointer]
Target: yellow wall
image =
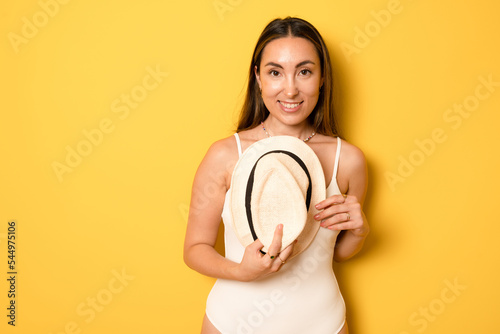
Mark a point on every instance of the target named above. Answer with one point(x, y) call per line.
point(139, 89)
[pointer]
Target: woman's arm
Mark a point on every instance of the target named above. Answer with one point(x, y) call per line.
point(207, 201)
point(345, 212)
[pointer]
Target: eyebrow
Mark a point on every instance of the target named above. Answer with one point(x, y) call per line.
point(302, 63)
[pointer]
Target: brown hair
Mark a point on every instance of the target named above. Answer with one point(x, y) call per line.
point(254, 111)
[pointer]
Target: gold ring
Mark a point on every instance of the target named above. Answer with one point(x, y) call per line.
point(282, 262)
point(348, 216)
point(271, 256)
point(344, 195)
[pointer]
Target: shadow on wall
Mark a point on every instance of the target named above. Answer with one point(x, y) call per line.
point(219, 245)
point(344, 90)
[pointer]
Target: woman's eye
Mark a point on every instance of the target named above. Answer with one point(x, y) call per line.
point(305, 72)
point(274, 73)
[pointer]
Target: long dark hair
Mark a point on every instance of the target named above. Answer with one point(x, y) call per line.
point(322, 118)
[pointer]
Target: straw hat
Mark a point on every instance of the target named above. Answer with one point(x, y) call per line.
point(277, 180)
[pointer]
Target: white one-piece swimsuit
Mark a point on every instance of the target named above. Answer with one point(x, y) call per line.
point(302, 297)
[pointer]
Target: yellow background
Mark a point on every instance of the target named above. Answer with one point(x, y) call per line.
point(123, 207)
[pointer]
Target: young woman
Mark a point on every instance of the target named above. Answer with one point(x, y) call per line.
point(290, 90)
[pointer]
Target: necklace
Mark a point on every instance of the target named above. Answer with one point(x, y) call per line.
point(305, 140)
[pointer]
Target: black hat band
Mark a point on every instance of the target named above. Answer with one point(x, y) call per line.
point(248, 195)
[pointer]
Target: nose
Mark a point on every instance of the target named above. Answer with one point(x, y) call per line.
point(290, 88)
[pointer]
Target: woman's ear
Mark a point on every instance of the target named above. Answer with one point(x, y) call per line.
point(257, 76)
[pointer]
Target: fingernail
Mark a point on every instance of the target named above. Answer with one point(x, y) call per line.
point(317, 206)
point(316, 216)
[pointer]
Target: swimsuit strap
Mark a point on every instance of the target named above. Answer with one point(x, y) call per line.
point(238, 143)
point(337, 156)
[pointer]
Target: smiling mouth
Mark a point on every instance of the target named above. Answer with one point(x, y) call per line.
point(290, 105)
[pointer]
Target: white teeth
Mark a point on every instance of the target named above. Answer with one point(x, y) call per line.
point(290, 105)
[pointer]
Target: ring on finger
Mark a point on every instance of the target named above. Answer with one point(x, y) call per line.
point(271, 256)
point(282, 262)
point(348, 216)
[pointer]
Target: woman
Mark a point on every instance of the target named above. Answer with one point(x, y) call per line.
point(289, 92)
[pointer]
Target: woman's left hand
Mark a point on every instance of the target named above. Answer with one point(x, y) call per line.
point(342, 212)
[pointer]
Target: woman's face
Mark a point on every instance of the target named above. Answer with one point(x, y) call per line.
point(290, 79)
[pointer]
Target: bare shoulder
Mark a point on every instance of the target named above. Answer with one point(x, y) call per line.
point(353, 170)
point(351, 156)
point(222, 150)
point(219, 161)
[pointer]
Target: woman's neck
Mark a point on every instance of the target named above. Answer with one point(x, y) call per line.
point(277, 128)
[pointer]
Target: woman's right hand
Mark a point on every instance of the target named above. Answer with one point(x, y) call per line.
point(255, 265)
